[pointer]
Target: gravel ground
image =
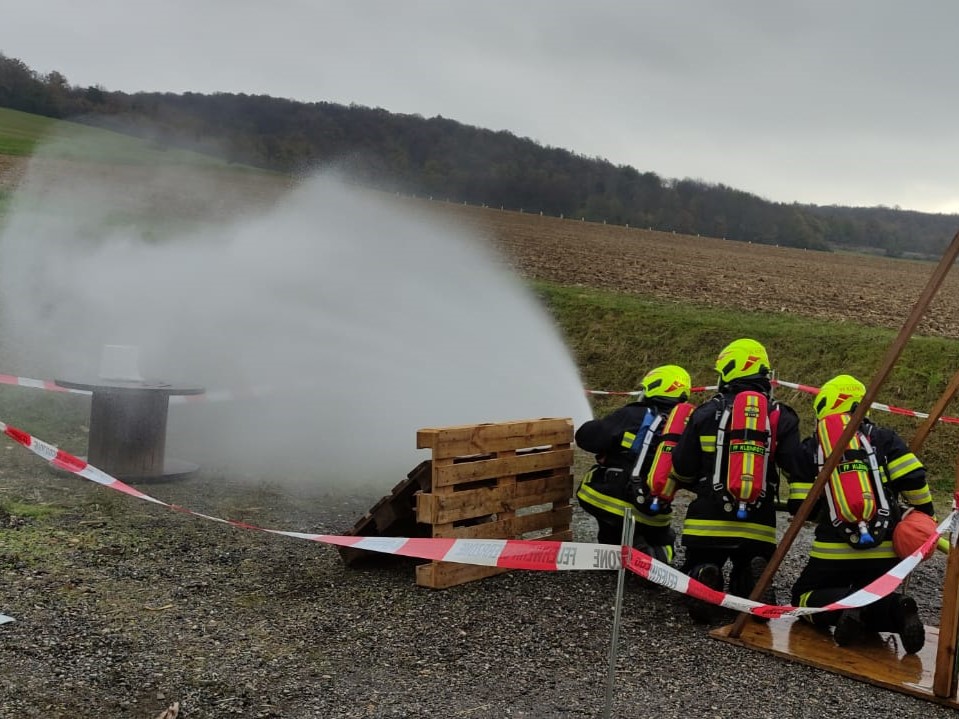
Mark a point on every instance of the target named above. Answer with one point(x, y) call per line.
point(123, 608)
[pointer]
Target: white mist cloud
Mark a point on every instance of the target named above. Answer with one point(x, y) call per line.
point(366, 319)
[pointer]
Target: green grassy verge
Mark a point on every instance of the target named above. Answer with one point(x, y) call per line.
point(615, 339)
point(54, 417)
point(22, 133)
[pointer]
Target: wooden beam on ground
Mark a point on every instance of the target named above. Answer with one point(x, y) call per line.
point(888, 362)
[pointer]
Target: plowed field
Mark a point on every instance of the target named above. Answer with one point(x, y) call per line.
point(721, 273)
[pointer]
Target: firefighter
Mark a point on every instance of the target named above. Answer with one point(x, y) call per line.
point(719, 526)
point(840, 561)
point(618, 441)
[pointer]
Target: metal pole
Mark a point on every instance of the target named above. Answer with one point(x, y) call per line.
point(629, 526)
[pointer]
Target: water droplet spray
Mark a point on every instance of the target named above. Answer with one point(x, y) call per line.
point(357, 316)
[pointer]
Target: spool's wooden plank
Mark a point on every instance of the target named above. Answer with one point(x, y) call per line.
point(447, 508)
point(878, 659)
point(473, 439)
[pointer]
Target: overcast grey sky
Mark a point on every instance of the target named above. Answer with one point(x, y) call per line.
point(820, 101)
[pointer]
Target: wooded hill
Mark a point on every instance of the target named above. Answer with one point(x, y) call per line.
point(449, 160)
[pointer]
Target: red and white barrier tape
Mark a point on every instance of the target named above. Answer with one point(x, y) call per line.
point(802, 388)
point(636, 393)
point(207, 396)
point(38, 384)
point(541, 555)
point(663, 574)
point(260, 391)
point(875, 405)
point(507, 553)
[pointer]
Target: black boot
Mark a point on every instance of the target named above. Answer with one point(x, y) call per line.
point(712, 576)
point(757, 565)
point(911, 631)
point(849, 627)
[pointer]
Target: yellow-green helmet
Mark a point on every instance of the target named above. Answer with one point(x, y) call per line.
point(840, 395)
point(742, 358)
point(669, 382)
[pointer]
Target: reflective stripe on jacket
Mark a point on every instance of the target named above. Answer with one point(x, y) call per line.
point(733, 529)
point(612, 505)
point(843, 550)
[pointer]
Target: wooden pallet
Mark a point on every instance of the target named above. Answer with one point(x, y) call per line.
point(506, 480)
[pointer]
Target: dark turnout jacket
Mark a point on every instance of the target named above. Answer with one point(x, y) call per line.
point(903, 479)
point(710, 521)
point(606, 487)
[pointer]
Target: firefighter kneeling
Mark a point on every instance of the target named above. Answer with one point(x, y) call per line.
point(728, 455)
point(632, 447)
point(858, 514)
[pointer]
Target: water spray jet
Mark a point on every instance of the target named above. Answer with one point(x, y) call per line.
point(370, 316)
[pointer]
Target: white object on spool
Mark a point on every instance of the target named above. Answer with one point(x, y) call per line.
point(120, 363)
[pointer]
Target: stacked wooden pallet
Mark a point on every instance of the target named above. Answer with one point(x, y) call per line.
point(508, 480)
point(504, 480)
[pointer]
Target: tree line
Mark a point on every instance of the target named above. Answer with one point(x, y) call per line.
point(450, 160)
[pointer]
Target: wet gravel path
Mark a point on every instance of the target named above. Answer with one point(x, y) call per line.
point(123, 608)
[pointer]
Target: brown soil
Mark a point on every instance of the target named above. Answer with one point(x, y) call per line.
point(720, 273)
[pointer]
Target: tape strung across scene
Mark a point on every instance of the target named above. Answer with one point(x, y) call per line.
point(45, 384)
point(670, 577)
point(225, 395)
point(506, 553)
point(809, 389)
point(540, 555)
point(217, 395)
